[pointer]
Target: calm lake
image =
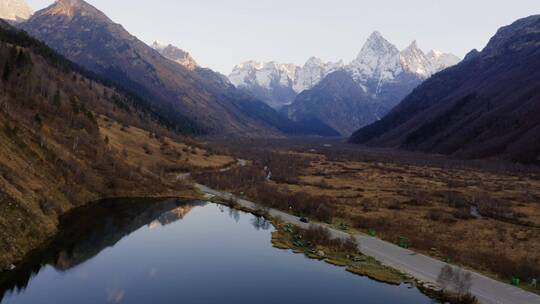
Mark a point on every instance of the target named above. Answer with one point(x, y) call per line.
point(141, 251)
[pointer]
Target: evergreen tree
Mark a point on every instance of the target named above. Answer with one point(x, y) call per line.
point(38, 120)
point(7, 71)
point(57, 100)
point(23, 58)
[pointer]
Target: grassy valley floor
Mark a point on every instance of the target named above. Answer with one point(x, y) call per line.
point(480, 215)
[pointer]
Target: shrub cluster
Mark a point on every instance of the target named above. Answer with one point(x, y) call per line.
point(322, 236)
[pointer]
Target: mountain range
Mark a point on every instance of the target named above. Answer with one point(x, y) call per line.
point(194, 99)
point(200, 101)
point(483, 106)
point(488, 105)
point(15, 10)
point(278, 84)
point(381, 72)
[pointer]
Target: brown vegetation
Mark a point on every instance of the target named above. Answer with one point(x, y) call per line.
point(482, 214)
point(67, 140)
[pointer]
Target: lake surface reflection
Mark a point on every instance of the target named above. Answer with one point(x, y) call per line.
point(169, 251)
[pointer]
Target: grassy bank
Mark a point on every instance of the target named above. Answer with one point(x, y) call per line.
point(315, 243)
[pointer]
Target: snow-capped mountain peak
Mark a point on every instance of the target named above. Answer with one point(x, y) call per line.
point(413, 60)
point(441, 61)
point(313, 71)
point(378, 58)
point(265, 74)
point(377, 45)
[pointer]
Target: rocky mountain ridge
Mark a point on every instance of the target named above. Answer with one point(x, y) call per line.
point(378, 63)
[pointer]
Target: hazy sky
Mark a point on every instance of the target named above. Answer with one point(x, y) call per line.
point(222, 33)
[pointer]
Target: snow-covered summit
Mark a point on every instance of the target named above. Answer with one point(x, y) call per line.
point(413, 60)
point(277, 83)
point(378, 63)
point(378, 59)
point(268, 74)
point(382, 61)
point(263, 74)
point(441, 61)
point(313, 71)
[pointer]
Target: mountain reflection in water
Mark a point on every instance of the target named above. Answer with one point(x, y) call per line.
point(86, 231)
point(139, 252)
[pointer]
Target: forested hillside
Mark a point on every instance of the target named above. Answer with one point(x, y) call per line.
point(67, 139)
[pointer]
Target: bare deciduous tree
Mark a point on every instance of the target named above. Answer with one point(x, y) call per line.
point(455, 279)
point(445, 276)
point(462, 282)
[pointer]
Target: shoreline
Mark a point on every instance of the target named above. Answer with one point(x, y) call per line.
point(200, 192)
point(189, 194)
point(359, 264)
point(423, 269)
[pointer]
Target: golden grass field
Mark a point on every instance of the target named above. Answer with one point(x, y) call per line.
point(401, 200)
point(142, 149)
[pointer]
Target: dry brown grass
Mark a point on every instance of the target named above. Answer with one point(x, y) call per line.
point(431, 206)
point(141, 148)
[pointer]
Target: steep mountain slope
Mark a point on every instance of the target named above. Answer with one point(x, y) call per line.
point(199, 100)
point(488, 105)
point(68, 139)
point(278, 84)
point(385, 76)
point(15, 10)
point(339, 102)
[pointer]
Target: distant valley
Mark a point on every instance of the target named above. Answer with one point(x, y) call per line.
point(417, 173)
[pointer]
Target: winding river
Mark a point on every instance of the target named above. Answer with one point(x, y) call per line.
point(170, 251)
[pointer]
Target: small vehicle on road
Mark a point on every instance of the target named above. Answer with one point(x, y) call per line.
point(304, 220)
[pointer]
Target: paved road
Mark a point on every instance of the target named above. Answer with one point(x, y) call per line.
point(422, 267)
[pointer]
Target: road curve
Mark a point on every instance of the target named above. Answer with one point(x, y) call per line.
point(422, 267)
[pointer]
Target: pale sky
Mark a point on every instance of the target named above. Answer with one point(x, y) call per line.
point(222, 33)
